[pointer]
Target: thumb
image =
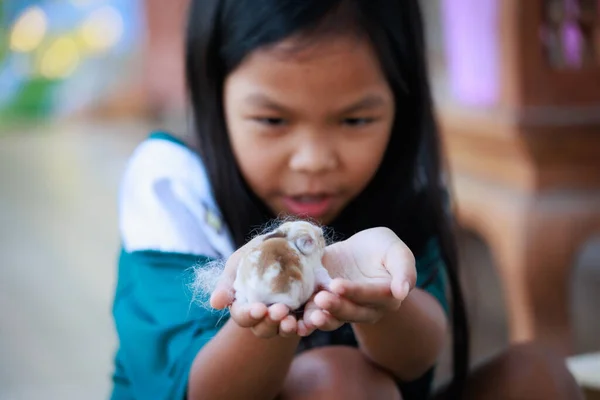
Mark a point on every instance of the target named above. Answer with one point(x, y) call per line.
point(400, 263)
point(400, 288)
point(224, 294)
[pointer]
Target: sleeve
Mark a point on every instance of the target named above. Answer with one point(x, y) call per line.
point(166, 204)
point(164, 234)
point(431, 273)
point(160, 330)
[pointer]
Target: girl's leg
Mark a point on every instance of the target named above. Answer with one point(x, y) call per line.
point(337, 372)
point(525, 371)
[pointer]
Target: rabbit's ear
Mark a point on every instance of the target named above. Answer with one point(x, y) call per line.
point(305, 243)
point(275, 234)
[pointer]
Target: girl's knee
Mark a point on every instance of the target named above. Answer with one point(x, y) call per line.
point(527, 370)
point(536, 361)
point(338, 372)
point(546, 369)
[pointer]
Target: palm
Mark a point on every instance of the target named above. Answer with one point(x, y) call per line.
point(372, 273)
point(365, 257)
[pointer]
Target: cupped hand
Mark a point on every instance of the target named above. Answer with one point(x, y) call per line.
point(265, 322)
point(373, 273)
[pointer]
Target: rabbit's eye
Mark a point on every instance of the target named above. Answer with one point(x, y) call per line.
point(305, 244)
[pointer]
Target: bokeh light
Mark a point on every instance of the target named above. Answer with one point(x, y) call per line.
point(60, 59)
point(60, 55)
point(102, 29)
point(28, 30)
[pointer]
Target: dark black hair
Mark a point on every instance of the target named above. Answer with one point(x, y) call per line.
point(407, 194)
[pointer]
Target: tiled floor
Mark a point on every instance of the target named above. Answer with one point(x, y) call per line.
point(58, 243)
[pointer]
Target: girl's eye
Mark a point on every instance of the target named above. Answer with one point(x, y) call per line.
point(358, 121)
point(271, 121)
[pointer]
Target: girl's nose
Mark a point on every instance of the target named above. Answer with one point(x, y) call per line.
point(314, 157)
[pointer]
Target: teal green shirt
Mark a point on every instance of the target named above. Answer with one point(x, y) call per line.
point(160, 330)
point(169, 223)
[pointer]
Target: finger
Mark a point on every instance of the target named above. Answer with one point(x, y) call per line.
point(344, 310)
point(400, 263)
point(221, 297)
point(288, 326)
point(268, 327)
point(375, 295)
point(248, 315)
point(315, 318)
point(324, 321)
point(224, 295)
point(277, 312)
point(304, 329)
point(312, 313)
point(400, 288)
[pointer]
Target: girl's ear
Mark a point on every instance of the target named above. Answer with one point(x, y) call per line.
point(305, 244)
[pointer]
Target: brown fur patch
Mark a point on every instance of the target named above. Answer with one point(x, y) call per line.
point(278, 250)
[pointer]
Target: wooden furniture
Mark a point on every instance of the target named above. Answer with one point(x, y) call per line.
point(522, 135)
point(163, 61)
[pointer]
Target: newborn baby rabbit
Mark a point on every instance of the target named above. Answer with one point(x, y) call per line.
point(284, 267)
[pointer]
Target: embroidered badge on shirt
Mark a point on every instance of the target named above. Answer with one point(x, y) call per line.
point(213, 220)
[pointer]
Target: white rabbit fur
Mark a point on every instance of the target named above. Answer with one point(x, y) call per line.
point(283, 266)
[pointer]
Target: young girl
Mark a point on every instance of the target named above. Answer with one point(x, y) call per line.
point(319, 109)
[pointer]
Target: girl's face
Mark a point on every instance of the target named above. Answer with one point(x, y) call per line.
point(309, 125)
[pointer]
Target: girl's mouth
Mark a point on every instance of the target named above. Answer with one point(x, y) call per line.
point(312, 206)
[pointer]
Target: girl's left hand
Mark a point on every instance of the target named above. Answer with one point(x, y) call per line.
point(373, 273)
point(263, 321)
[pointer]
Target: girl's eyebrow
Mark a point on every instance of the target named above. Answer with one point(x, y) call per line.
point(368, 102)
point(260, 100)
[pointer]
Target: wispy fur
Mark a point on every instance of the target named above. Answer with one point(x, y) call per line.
point(207, 275)
point(204, 281)
point(328, 233)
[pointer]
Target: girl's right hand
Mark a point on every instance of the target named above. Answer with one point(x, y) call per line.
point(265, 322)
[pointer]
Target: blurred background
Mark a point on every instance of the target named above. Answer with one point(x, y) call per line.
point(83, 81)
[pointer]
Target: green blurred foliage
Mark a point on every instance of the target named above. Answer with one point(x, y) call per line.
point(33, 101)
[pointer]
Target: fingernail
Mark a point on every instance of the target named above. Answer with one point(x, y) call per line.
point(255, 313)
point(316, 320)
point(406, 288)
